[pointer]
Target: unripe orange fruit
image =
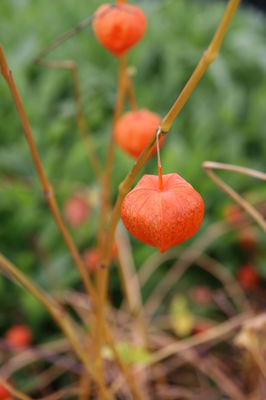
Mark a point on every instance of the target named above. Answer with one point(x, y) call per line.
point(76, 210)
point(248, 276)
point(162, 217)
point(134, 129)
point(119, 27)
point(4, 393)
point(19, 336)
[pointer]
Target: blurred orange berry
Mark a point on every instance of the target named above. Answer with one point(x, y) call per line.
point(201, 295)
point(201, 326)
point(92, 257)
point(134, 129)
point(76, 210)
point(248, 276)
point(248, 239)
point(120, 27)
point(233, 215)
point(19, 336)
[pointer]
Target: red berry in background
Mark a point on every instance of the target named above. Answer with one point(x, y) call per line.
point(248, 276)
point(120, 27)
point(248, 239)
point(162, 217)
point(233, 215)
point(4, 393)
point(19, 336)
point(76, 210)
point(201, 326)
point(201, 295)
point(92, 259)
point(134, 129)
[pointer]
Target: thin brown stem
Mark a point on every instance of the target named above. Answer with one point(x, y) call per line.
point(131, 94)
point(14, 392)
point(212, 334)
point(63, 37)
point(123, 367)
point(45, 184)
point(80, 115)
point(102, 274)
point(208, 57)
point(208, 166)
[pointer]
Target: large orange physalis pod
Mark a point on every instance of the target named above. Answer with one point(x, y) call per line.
point(162, 217)
point(134, 129)
point(119, 27)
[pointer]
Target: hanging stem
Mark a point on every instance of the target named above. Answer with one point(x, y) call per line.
point(159, 160)
point(208, 57)
point(45, 184)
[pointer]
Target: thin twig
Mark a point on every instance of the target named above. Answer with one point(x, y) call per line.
point(59, 315)
point(45, 184)
point(14, 392)
point(71, 65)
point(208, 166)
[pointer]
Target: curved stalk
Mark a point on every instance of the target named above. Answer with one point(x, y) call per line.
point(207, 58)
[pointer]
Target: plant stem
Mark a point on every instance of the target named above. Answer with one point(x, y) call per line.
point(45, 184)
point(63, 37)
point(80, 115)
point(160, 175)
point(55, 310)
point(124, 368)
point(102, 274)
point(131, 94)
point(251, 210)
point(208, 57)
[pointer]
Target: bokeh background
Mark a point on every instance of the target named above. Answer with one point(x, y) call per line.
point(223, 121)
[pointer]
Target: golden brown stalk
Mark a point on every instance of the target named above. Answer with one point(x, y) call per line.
point(45, 184)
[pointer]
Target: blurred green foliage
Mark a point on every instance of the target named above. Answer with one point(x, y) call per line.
point(223, 121)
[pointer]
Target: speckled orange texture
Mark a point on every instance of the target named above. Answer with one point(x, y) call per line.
point(134, 129)
point(162, 218)
point(119, 27)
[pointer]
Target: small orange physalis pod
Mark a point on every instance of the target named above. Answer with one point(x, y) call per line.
point(19, 336)
point(248, 276)
point(163, 210)
point(134, 129)
point(92, 257)
point(76, 210)
point(119, 27)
